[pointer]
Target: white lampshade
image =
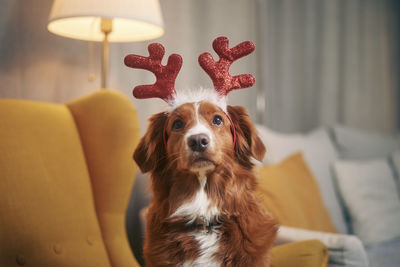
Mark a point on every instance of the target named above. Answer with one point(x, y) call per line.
point(132, 20)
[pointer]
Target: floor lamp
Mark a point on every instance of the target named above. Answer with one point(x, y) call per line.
point(106, 21)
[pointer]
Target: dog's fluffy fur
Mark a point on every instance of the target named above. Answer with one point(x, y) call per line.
point(189, 186)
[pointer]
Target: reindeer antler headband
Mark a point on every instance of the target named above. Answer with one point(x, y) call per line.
point(164, 87)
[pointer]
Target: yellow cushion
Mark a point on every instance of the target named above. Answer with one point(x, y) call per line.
point(47, 213)
point(109, 130)
point(309, 253)
point(290, 192)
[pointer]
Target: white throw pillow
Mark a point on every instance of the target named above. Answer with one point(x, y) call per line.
point(319, 153)
point(344, 250)
point(358, 144)
point(369, 191)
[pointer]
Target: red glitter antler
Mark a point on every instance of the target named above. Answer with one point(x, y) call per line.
point(164, 87)
point(219, 71)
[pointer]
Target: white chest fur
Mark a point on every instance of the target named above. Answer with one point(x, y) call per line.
point(200, 207)
point(209, 245)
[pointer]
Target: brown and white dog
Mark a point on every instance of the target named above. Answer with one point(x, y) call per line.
point(205, 211)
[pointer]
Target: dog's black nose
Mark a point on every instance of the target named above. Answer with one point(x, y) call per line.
point(198, 142)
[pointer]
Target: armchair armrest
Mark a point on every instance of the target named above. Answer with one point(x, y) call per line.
point(344, 250)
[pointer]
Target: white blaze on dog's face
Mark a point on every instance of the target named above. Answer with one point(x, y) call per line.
point(198, 136)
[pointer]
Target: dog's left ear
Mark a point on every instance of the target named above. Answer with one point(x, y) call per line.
point(248, 143)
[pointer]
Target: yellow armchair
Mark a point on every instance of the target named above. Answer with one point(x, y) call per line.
point(66, 173)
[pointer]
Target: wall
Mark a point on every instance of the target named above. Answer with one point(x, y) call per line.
point(317, 62)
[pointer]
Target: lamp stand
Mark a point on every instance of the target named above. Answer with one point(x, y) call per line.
point(106, 28)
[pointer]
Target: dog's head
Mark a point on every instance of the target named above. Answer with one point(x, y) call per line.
point(199, 137)
point(198, 133)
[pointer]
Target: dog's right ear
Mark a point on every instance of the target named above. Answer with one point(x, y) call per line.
point(150, 152)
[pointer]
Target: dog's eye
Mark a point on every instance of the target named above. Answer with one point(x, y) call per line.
point(178, 125)
point(217, 120)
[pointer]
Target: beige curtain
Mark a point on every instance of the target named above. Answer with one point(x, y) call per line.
point(317, 62)
point(330, 62)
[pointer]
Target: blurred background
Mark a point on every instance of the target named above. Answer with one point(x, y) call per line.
point(318, 63)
